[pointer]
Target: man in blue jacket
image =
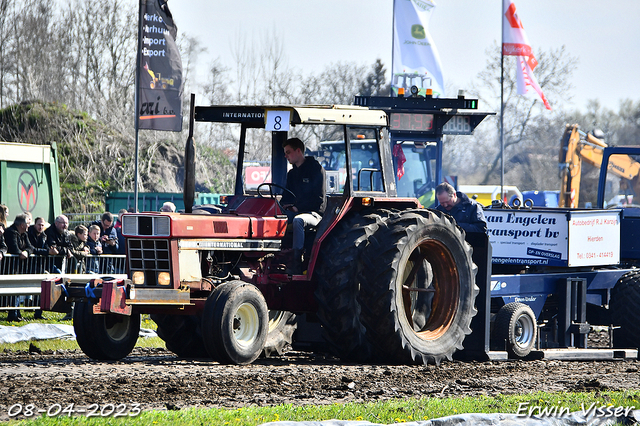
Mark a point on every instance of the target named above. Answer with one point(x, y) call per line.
point(307, 181)
point(467, 213)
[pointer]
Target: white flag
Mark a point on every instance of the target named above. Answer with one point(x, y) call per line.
point(527, 83)
point(515, 43)
point(415, 58)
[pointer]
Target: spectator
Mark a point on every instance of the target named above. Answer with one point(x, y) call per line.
point(18, 243)
point(16, 237)
point(118, 226)
point(79, 247)
point(38, 240)
point(95, 248)
point(108, 235)
point(467, 213)
point(58, 241)
point(168, 207)
point(4, 212)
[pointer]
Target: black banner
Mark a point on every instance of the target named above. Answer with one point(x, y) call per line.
point(159, 69)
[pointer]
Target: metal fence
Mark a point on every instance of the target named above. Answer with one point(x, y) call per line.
point(20, 278)
point(76, 219)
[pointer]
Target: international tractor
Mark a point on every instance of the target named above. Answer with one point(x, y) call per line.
point(384, 280)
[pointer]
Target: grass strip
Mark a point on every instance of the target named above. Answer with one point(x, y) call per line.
point(383, 412)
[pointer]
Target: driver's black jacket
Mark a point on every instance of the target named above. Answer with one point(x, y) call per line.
point(307, 182)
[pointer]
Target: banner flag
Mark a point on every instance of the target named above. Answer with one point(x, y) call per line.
point(516, 43)
point(160, 69)
point(527, 81)
point(415, 58)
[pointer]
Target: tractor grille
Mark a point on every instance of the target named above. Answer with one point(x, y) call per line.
point(157, 226)
point(149, 256)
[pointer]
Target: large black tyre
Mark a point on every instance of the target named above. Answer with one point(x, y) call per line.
point(625, 311)
point(514, 330)
point(337, 285)
point(418, 288)
point(104, 336)
point(235, 324)
point(181, 334)
point(282, 325)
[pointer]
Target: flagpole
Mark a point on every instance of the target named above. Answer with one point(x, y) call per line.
point(502, 106)
point(137, 108)
point(393, 42)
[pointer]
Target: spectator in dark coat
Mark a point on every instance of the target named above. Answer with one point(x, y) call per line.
point(37, 237)
point(58, 240)
point(108, 234)
point(467, 213)
point(18, 244)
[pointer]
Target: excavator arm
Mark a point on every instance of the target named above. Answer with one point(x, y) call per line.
point(576, 147)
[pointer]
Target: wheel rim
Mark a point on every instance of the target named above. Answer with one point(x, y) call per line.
point(246, 325)
point(440, 290)
point(524, 331)
point(117, 327)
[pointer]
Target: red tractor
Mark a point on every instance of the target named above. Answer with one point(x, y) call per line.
point(385, 280)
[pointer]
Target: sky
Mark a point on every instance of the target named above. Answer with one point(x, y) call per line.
point(603, 35)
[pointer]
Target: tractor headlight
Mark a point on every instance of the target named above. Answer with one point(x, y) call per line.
point(164, 278)
point(138, 278)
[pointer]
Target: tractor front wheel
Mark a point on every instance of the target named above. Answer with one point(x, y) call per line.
point(105, 336)
point(235, 323)
point(181, 334)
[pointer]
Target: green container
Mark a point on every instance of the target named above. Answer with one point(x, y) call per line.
point(153, 201)
point(29, 180)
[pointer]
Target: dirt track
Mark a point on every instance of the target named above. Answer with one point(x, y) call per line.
point(156, 379)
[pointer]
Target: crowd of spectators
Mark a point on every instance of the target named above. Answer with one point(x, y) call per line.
point(80, 249)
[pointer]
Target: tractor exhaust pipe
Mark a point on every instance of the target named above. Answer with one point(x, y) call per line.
point(189, 188)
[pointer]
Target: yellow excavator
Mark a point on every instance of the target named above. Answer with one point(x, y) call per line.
point(577, 146)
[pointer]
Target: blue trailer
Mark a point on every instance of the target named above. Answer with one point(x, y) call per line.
point(556, 273)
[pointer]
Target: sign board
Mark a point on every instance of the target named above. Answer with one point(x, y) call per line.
point(277, 121)
point(594, 238)
point(554, 238)
point(256, 175)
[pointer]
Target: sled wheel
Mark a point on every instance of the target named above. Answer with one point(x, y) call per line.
point(235, 323)
point(515, 330)
point(181, 334)
point(337, 276)
point(418, 288)
point(625, 311)
point(105, 336)
point(282, 325)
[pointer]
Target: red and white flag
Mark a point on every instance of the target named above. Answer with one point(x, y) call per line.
point(515, 43)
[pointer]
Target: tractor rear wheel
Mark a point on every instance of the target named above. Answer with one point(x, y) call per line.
point(337, 277)
point(515, 330)
point(235, 323)
point(418, 288)
point(181, 334)
point(282, 325)
point(625, 311)
point(105, 336)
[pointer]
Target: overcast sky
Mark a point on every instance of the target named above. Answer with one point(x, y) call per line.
point(604, 35)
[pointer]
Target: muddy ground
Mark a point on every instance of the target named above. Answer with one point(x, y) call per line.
point(156, 379)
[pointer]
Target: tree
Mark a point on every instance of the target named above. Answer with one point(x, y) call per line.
point(530, 135)
point(375, 83)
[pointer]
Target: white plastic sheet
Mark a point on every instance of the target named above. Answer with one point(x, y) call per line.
point(39, 331)
point(495, 419)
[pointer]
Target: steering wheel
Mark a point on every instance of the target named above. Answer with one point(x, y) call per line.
point(271, 193)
